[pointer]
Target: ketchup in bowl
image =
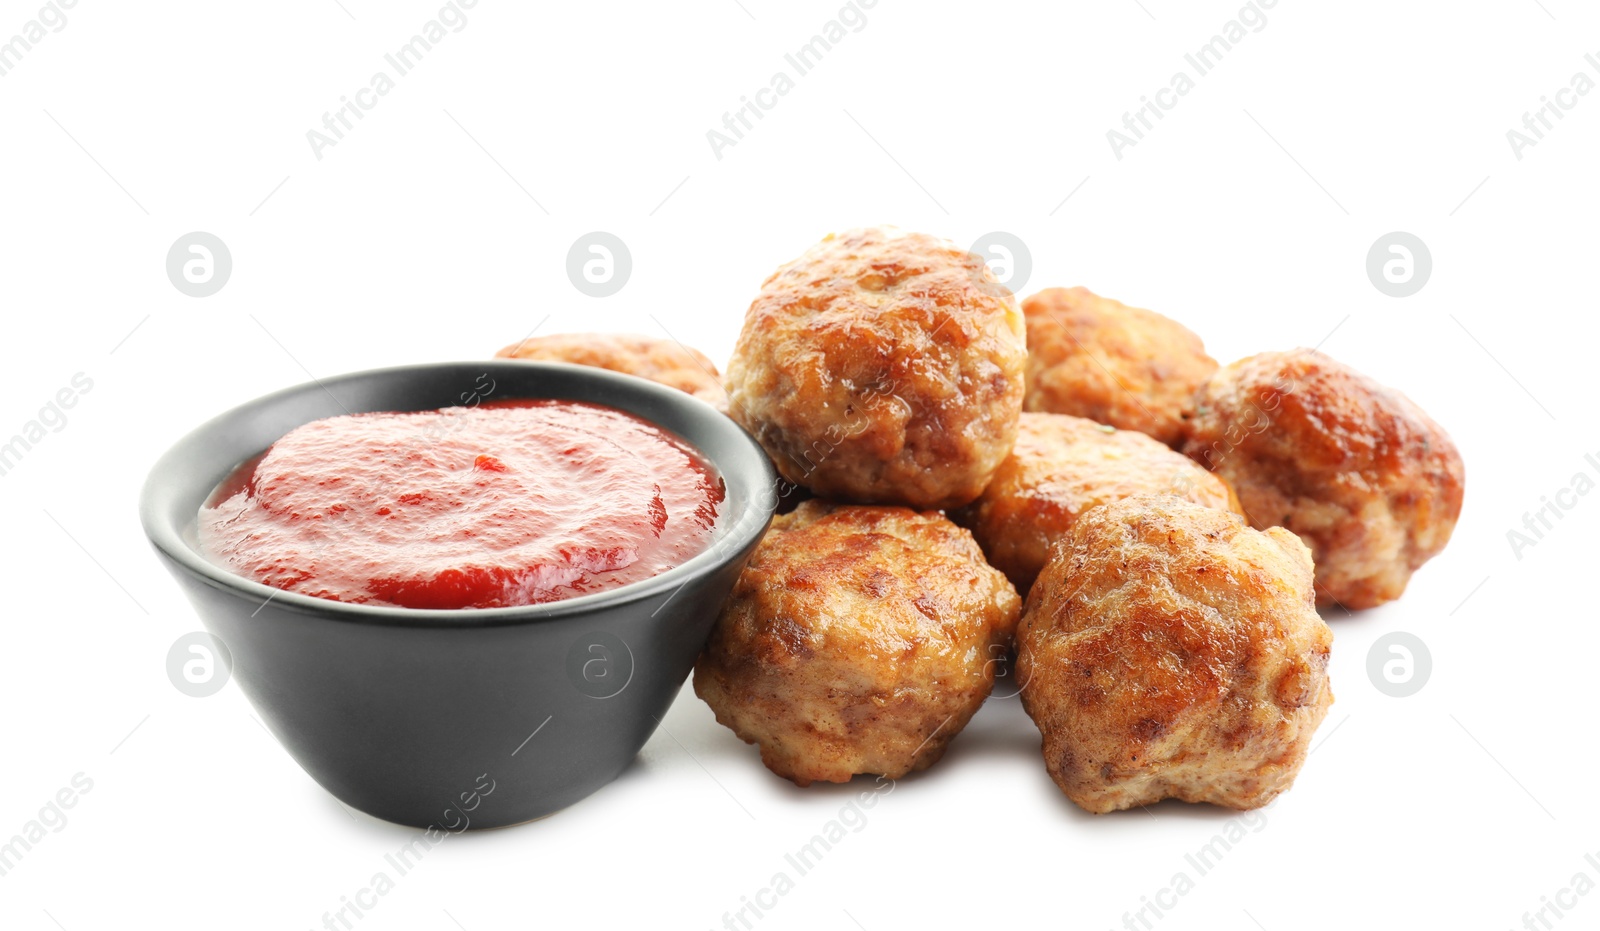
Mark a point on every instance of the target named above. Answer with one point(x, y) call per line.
point(507, 503)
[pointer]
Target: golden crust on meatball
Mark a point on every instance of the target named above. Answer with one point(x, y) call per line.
point(660, 360)
point(882, 367)
point(1093, 357)
point(1365, 478)
point(1170, 651)
point(858, 639)
point(1062, 466)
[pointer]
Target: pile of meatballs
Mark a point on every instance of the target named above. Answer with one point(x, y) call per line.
point(1070, 489)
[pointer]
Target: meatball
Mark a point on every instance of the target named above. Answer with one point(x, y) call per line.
point(1061, 467)
point(1093, 357)
point(1170, 651)
point(661, 360)
point(1366, 479)
point(882, 367)
point(859, 639)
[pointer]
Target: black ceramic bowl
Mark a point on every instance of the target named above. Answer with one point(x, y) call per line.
point(475, 718)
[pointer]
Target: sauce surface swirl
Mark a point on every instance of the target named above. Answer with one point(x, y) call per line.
point(507, 503)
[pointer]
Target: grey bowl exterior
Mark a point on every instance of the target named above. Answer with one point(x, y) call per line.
point(460, 719)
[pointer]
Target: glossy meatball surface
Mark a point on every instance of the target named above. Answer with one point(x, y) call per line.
point(1061, 467)
point(660, 360)
point(1094, 357)
point(1168, 650)
point(882, 367)
point(1369, 482)
point(859, 639)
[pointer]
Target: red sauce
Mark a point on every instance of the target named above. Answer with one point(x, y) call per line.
point(507, 503)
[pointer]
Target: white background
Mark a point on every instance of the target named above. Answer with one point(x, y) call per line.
point(1247, 214)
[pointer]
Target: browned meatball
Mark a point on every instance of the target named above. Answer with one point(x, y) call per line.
point(1366, 479)
point(882, 367)
point(1093, 357)
point(1061, 467)
point(1170, 651)
point(660, 360)
point(858, 640)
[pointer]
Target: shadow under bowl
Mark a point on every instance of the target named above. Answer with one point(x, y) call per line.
point(460, 718)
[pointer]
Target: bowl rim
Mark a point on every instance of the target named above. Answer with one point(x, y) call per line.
point(753, 472)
